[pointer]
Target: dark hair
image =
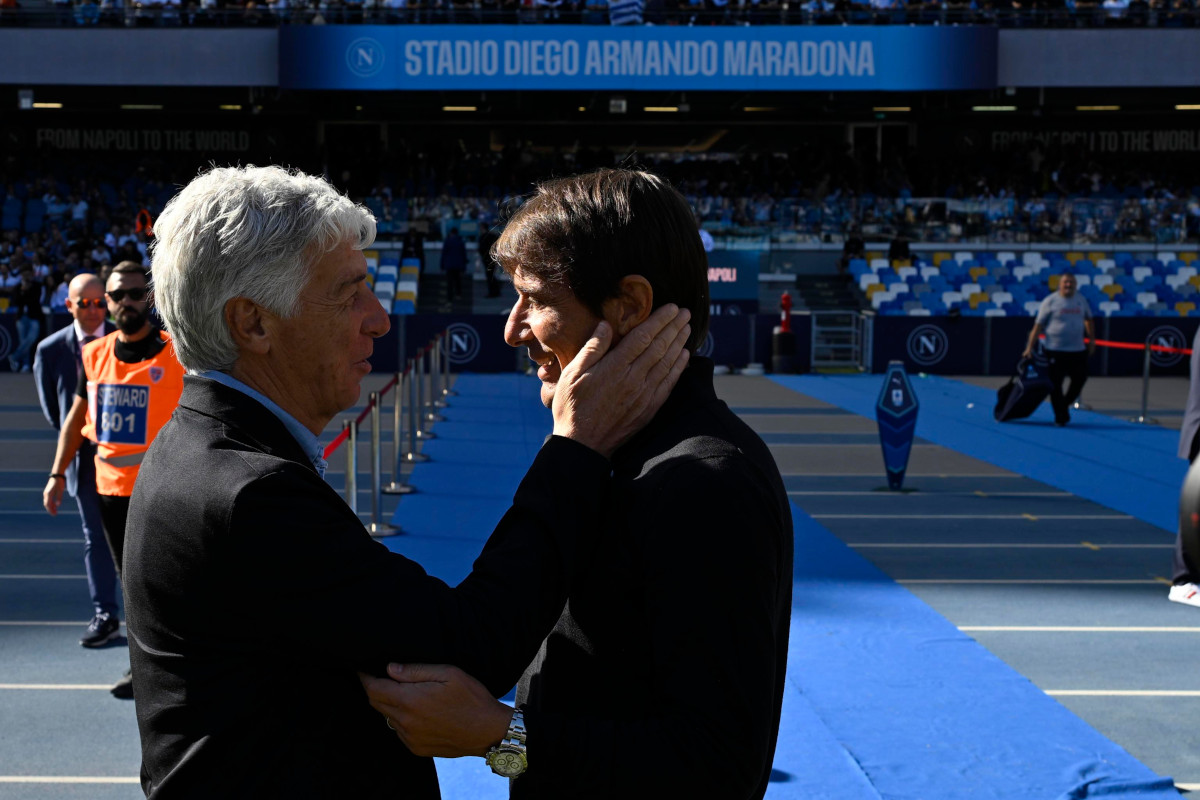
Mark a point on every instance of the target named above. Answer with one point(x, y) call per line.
point(589, 231)
point(131, 268)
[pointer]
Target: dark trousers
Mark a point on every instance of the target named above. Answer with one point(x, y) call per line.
point(114, 510)
point(97, 559)
point(454, 282)
point(1066, 364)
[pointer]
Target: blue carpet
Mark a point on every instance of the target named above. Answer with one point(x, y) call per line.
point(922, 708)
point(885, 698)
point(1122, 465)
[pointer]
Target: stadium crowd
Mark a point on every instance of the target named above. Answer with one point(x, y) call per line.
point(1053, 13)
point(74, 219)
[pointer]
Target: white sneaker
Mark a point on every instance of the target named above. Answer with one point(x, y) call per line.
point(1186, 593)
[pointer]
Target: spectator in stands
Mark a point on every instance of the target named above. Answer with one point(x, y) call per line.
point(637, 665)
point(210, 585)
point(58, 300)
point(27, 298)
point(1065, 317)
point(454, 262)
point(79, 212)
point(1185, 576)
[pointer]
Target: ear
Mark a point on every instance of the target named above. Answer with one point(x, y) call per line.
point(244, 319)
point(631, 306)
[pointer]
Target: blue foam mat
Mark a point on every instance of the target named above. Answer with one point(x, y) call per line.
point(1128, 467)
point(884, 697)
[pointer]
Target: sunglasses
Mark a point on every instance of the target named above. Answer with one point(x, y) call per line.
point(136, 295)
point(90, 302)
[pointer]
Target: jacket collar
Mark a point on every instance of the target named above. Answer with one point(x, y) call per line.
point(248, 416)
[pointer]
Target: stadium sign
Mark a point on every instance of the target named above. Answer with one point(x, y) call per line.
point(556, 57)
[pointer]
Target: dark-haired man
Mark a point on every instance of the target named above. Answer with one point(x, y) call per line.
point(128, 387)
point(664, 675)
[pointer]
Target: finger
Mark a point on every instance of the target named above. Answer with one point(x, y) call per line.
point(659, 348)
point(593, 350)
point(660, 370)
point(650, 331)
point(420, 673)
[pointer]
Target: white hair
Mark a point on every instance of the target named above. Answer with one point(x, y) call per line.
point(251, 232)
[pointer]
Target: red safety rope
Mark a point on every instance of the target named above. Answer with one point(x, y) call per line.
point(1158, 348)
point(345, 434)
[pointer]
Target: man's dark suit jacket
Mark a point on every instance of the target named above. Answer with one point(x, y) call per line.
point(254, 594)
point(56, 370)
point(672, 686)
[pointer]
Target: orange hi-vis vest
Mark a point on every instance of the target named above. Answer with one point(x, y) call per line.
point(127, 406)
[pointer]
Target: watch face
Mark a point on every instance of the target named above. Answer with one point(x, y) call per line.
point(508, 763)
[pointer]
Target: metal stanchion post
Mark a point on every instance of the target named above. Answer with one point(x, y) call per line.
point(422, 419)
point(431, 402)
point(414, 410)
point(397, 484)
point(377, 528)
point(351, 464)
point(446, 390)
point(437, 385)
point(1142, 419)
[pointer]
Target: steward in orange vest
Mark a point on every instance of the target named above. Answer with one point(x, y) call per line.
point(127, 406)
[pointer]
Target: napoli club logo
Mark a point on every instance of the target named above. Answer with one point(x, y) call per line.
point(365, 57)
point(461, 343)
point(705, 350)
point(927, 345)
point(1166, 336)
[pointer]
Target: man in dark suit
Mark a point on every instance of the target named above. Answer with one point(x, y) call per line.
point(664, 675)
point(253, 593)
point(56, 366)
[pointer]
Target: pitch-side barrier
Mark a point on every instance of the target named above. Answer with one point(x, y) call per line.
point(425, 382)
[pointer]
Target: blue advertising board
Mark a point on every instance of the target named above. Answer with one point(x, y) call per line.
point(557, 57)
point(937, 345)
point(733, 275)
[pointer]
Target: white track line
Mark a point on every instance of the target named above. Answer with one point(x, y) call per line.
point(1030, 517)
point(907, 475)
point(42, 577)
point(16, 623)
point(882, 493)
point(1069, 629)
point(88, 687)
point(64, 779)
point(1020, 581)
point(1123, 693)
point(846, 444)
point(1003, 545)
point(40, 541)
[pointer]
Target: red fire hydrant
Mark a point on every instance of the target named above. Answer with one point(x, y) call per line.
point(785, 316)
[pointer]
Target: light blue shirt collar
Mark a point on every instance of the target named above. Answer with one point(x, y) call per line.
point(303, 436)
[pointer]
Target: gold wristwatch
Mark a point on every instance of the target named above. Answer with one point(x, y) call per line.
point(508, 759)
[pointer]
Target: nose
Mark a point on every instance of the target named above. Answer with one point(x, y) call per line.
point(516, 330)
point(376, 323)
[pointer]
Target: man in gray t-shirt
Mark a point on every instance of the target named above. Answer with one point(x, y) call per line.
point(1065, 317)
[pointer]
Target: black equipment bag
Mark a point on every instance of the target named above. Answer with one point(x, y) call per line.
point(1023, 393)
